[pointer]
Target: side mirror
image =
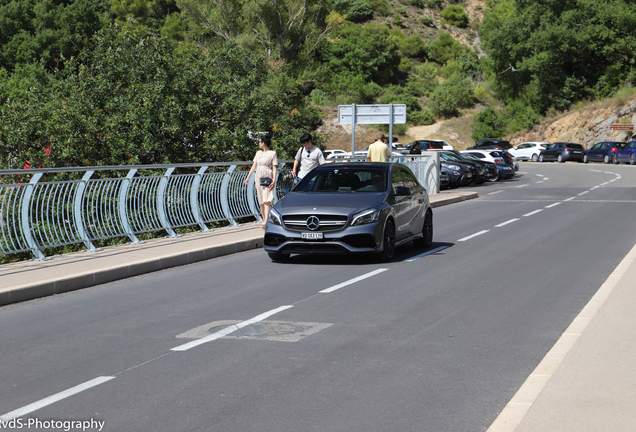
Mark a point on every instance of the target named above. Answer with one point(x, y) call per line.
point(402, 191)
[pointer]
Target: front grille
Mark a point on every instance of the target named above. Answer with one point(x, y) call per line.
point(327, 222)
point(314, 248)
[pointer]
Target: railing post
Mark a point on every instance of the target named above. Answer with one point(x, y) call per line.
point(25, 224)
point(77, 211)
point(161, 202)
point(123, 209)
point(194, 199)
point(225, 203)
point(250, 200)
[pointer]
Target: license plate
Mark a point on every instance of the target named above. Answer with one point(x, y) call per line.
point(576, 151)
point(312, 236)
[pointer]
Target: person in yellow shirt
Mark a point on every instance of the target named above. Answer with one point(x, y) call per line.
point(378, 151)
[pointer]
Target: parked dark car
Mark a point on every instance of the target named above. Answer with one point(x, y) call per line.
point(479, 170)
point(561, 152)
point(627, 154)
point(458, 174)
point(603, 151)
point(427, 145)
point(495, 172)
point(491, 143)
point(346, 208)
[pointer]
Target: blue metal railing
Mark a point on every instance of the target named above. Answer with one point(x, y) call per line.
point(119, 201)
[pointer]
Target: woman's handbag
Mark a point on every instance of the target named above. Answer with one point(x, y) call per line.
point(266, 181)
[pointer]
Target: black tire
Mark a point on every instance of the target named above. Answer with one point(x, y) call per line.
point(606, 159)
point(427, 232)
point(585, 159)
point(540, 158)
point(535, 158)
point(388, 242)
point(560, 158)
point(495, 178)
point(632, 159)
point(615, 159)
point(277, 256)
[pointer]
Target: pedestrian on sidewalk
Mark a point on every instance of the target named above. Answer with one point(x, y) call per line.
point(265, 163)
point(379, 151)
point(308, 156)
point(415, 149)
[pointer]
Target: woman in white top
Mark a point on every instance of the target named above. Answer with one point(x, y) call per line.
point(265, 163)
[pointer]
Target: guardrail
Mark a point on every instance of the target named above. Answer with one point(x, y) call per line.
point(118, 201)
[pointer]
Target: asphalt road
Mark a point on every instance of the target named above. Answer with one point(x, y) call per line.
point(429, 342)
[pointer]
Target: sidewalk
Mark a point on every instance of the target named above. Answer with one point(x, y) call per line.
point(33, 279)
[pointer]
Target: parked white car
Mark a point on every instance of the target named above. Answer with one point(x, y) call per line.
point(486, 155)
point(528, 150)
point(330, 154)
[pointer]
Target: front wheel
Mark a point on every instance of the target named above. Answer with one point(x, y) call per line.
point(540, 158)
point(535, 158)
point(560, 159)
point(495, 178)
point(388, 240)
point(632, 159)
point(615, 159)
point(277, 256)
point(427, 232)
point(585, 159)
point(606, 159)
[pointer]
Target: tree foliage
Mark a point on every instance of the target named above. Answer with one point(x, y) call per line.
point(135, 99)
point(564, 50)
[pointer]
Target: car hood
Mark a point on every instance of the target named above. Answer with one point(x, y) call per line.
point(330, 203)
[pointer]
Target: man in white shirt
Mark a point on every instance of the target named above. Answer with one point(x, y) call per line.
point(309, 157)
point(378, 151)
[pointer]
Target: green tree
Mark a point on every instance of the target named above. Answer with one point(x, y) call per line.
point(445, 48)
point(487, 125)
point(45, 30)
point(561, 48)
point(455, 15)
point(135, 99)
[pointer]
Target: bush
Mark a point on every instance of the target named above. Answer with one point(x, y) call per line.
point(379, 7)
point(429, 22)
point(422, 117)
point(445, 48)
point(434, 4)
point(416, 3)
point(455, 15)
point(355, 10)
point(487, 124)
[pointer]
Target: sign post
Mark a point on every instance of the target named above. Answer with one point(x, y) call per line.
point(371, 114)
point(618, 127)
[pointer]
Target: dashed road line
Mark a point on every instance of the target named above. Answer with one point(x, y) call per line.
point(553, 205)
point(354, 280)
point(533, 212)
point(507, 222)
point(432, 251)
point(495, 192)
point(55, 398)
point(473, 235)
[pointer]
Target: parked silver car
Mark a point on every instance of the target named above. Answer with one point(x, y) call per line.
point(345, 208)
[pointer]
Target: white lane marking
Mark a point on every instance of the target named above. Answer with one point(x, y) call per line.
point(583, 193)
point(473, 236)
point(495, 192)
point(570, 199)
point(595, 187)
point(546, 178)
point(520, 186)
point(539, 175)
point(55, 398)
point(595, 170)
point(354, 280)
point(603, 184)
point(506, 223)
point(432, 251)
point(231, 329)
point(539, 182)
point(553, 205)
point(609, 172)
point(534, 212)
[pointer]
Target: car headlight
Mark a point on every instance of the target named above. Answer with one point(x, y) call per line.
point(274, 217)
point(366, 217)
point(455, 167)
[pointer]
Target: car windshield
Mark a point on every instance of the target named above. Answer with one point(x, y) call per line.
point(362, 179)
point(471, 156)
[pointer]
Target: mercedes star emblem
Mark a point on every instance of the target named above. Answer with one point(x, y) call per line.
point(313, 223)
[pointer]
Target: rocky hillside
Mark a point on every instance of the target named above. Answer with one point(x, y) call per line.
point(584, 126)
